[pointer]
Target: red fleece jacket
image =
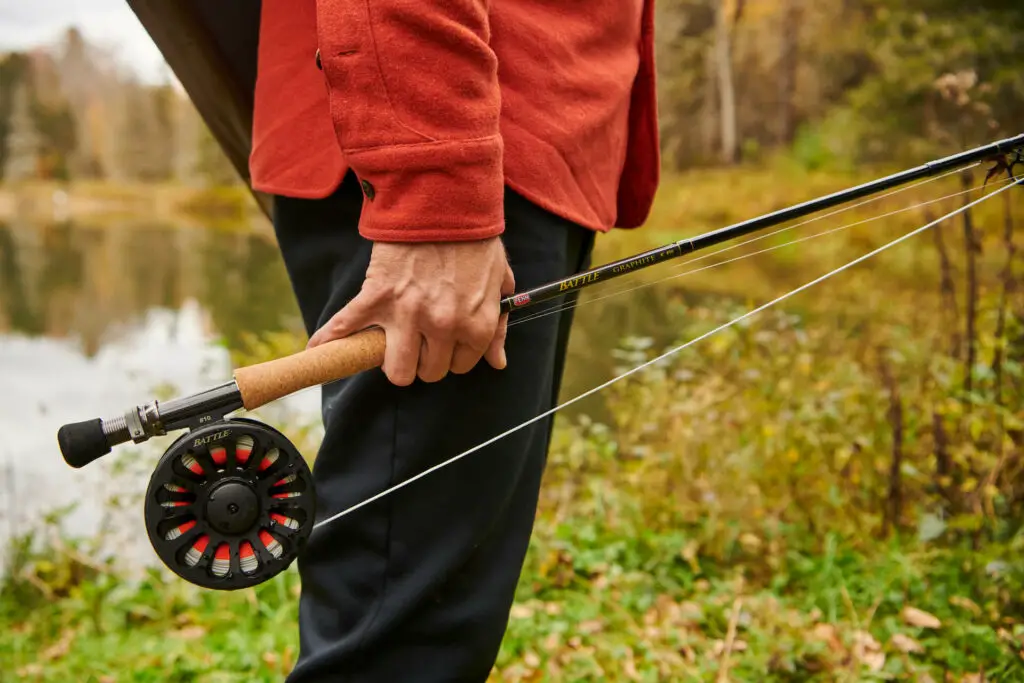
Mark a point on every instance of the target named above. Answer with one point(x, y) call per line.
point(436, 105)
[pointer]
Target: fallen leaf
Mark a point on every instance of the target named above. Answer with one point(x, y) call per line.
point(590, 626)
point(189, 633)
point(521, 612)
point(868, 651)
point(750, 542)
point(965, 603)
point(629, 666)
point(531, 660)
point(905, 643)
point(689, 553)
point(874, 660)
point(827, 633)
point(60, 648)
point(920, 618)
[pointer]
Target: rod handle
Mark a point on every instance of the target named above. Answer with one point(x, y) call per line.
point(265, 382)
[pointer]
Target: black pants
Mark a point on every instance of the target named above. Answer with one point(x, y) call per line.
point(417, 586)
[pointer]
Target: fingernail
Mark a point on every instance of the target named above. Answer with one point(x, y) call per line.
point(503, 359)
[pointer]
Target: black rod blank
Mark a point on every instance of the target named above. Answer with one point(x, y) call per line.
point(992, 151)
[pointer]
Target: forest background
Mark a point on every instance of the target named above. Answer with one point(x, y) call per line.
point(832, 491)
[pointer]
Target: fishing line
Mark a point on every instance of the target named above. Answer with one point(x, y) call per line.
point(569, 305)
point(663, 356)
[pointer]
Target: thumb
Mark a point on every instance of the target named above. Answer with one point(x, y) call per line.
point(353, 317)
point(508, 284)
point(495, 354)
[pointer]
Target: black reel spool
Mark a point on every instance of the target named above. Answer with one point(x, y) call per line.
point(230, 504)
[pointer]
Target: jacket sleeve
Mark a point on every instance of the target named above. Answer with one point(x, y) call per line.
point(415, 103)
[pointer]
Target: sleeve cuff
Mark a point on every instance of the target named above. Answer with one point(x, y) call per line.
point(431, 192)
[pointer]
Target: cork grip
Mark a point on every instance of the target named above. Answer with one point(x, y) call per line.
point(265, 382)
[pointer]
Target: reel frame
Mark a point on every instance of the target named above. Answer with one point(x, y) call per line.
point(230, 504)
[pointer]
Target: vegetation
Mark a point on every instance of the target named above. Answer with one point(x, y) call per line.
point(815, 495)
point(830, 491)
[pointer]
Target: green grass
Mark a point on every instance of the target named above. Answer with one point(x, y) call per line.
point(597, 602)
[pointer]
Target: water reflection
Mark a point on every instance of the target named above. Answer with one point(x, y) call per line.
point(94, 318)
point(85, 281)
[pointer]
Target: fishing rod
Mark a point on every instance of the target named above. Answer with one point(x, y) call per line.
point(231, 502)
point(996, 151)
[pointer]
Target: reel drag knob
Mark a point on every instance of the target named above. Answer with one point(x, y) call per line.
point(230, 504)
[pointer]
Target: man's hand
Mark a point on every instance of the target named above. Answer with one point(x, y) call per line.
point(438, 304)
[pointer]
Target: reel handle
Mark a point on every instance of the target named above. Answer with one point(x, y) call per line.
point(265, 382)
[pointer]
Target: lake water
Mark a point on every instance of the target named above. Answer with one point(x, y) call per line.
point(94, 319)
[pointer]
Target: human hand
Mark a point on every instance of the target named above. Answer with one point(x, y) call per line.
point(438, 304)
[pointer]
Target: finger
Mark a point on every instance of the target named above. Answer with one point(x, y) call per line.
point(464, 359)
point(435, 359)
point(353, 317)
point(401, 354)
point(495, 354)
point(508, 284)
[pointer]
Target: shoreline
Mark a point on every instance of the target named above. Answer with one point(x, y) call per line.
point(87, 201)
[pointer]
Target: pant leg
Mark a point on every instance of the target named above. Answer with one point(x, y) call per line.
point(418, 585)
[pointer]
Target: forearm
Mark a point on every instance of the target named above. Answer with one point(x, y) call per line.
point(415, 102)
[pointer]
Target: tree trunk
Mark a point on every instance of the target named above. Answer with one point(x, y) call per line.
point(789, 62)
point(726, 91)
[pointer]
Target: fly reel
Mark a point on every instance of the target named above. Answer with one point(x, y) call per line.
point(230, 504)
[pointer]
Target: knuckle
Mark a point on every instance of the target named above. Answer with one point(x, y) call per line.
point(401, 379)
point(432, 376)
point(443, 322)
point(402, 375)
point(463, 366)
point(411, 303)
point(479, 334)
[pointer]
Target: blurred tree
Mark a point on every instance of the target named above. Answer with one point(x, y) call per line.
point(726, 19)
point(213, 166)
point(24, 143)
point(13, 70)
point(144, 143)
point(945, 75)
point(56, 125)
point(82, 86)
point(164, 131)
